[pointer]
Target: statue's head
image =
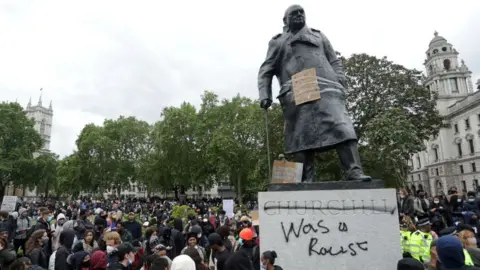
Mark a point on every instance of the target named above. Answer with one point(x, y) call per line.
point(294, 18)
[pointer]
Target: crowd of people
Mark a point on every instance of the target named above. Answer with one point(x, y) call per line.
point(131, 234)
point(439, 232)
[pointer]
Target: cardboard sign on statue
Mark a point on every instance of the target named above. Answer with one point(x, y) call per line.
point(331, 229)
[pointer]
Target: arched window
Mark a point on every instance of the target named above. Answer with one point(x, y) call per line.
point(42, 127)
point(420, 187)
point(446, 64)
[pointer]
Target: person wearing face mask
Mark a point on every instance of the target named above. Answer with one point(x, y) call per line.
point(57, 229)
point(471, 203)
point(35, 248)
point(125, 255)
point(268, 261)
point(469, 243)
point(193, 238)
point(23, 224)
point(406, 205)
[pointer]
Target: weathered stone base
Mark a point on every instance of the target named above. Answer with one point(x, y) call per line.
point(328, 185)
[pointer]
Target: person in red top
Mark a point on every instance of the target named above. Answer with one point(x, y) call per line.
point(137, 262)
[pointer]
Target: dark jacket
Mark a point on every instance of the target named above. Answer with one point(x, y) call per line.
point(39, 257)
point(64, 251)
point(118, 266)
point(126, 236)
point(407, 206)
point(134, 228)
point(7, 256)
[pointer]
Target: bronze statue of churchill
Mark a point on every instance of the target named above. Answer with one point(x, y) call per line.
point(318, 125)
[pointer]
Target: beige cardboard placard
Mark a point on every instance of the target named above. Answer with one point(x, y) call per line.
point(305, 86)
point(286, 172)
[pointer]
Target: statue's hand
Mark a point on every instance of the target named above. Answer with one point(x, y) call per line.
point(265, 103)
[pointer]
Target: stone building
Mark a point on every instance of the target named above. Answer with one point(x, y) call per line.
point(452, 159)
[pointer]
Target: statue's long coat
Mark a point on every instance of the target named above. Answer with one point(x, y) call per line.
point(317, 125)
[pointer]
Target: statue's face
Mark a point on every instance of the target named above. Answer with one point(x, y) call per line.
point(296, 17)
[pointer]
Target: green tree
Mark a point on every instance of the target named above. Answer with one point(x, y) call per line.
point(46, 172)
point(109, 155)
point(18, 141)
point(393, 114)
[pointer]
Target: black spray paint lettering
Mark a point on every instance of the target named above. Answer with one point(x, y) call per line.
point(331, 207)
point(303, 228)
point(353, 248)
point(342, 226)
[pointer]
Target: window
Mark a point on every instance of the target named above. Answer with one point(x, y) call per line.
point(412, 178)
point(453, 85)
point(455, 128)
point(42, 127)
point(435, 152)
point(435, 51)
point(461, 169)
point(471, 146)
point(478, 116)
point(467, 123)
point(464, 185)
point(444, 49)
point(419, 162)
point(436, 172)
point(419, 177)
point(475, 184)
point(446, 64)
point(459, 149)
point(474, 167)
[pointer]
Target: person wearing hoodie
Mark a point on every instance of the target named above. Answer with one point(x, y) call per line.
point(239, 261)
point(81, 260)
point(65, 250)
point(57, 230)
point(183, 262)
point(23, 223)
point(98, 260)
point(451, 255)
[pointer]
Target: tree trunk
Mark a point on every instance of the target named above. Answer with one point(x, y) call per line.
point(2, 192)
point(46, 190)
point(239, 189)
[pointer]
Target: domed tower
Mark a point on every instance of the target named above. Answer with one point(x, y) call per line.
point(445, 75)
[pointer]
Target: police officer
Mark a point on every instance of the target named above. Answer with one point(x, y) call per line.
point(405, 238)
point(421, 240)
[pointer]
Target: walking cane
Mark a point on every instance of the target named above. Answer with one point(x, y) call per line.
point(268, 147)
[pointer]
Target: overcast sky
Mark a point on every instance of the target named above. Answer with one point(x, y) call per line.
point(102, 59)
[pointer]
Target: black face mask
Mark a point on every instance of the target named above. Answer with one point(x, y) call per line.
point(86, 264)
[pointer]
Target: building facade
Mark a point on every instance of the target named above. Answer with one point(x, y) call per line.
point(451, 158)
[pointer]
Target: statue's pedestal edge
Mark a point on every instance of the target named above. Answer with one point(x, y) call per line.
point(328, 185)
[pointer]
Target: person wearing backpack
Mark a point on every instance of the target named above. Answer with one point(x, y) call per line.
point(23, 224)
point(248, 246)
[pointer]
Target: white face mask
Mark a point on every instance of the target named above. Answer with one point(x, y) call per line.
point(471, 199)
point(264, 266)
point(472, 241)
point(402, 196)
point(436, 202)
point(459, 200)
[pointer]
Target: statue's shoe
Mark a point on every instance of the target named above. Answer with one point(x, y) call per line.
point(359, 177)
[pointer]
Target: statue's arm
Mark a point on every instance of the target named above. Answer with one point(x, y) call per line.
point(267, 70)
point(334, 61)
